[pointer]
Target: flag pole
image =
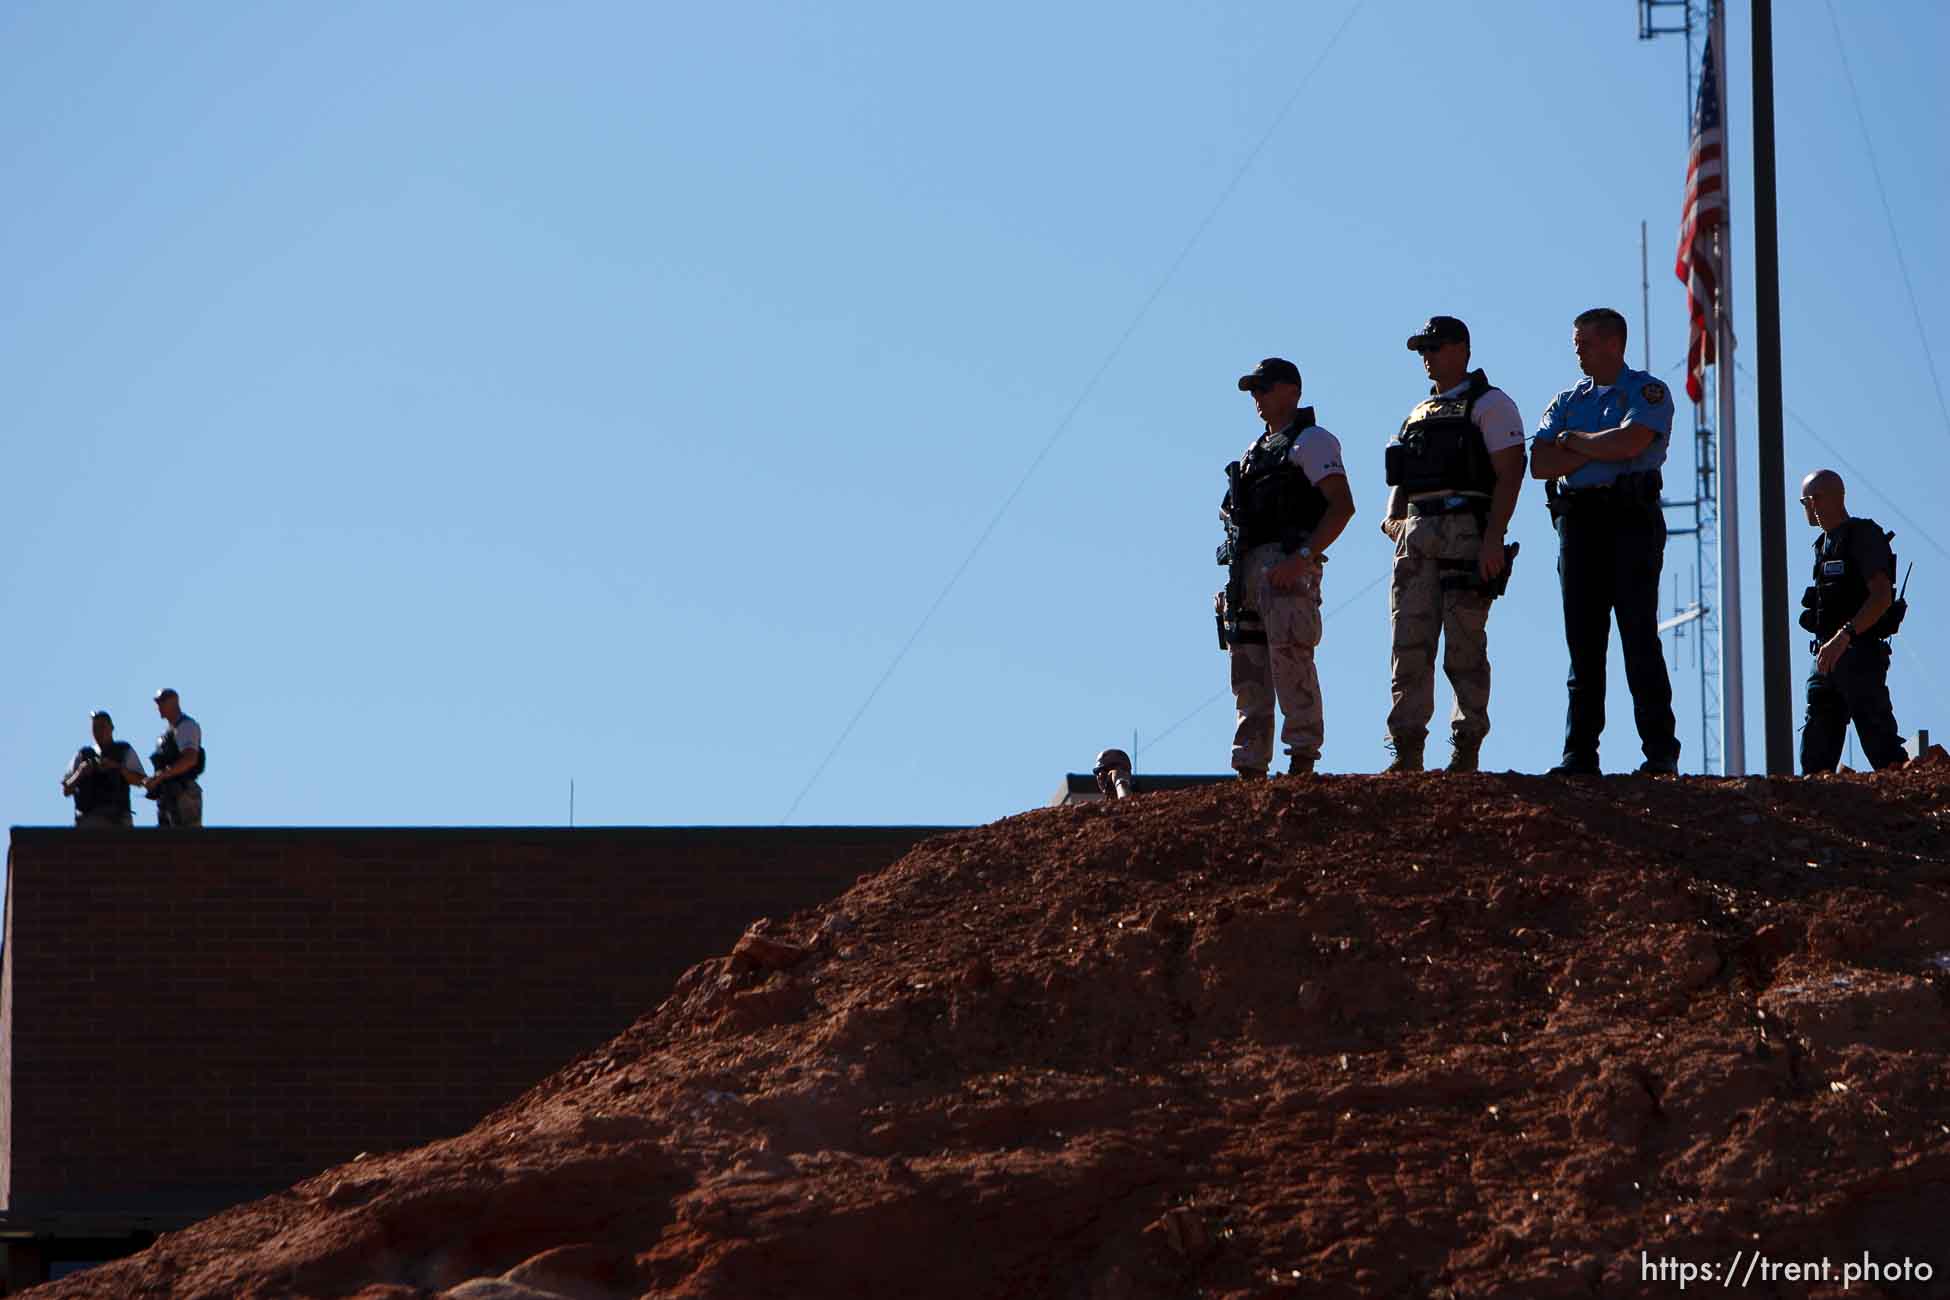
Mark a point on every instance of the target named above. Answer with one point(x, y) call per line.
point(1733, 703)
point(1775, 685)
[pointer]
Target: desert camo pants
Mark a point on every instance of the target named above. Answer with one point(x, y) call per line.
point(180, 804)
point(1282, 670)
point(1419, 611)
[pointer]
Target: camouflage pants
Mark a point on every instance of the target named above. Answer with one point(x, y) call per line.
point(1420, 611)
point(1282, 669)
point(180, 805)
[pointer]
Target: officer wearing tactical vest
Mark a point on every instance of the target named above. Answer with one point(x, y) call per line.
point(1286, 501)
point(99, 778)
point(179, 761)
point(1852, 608)
point(1600, 446)
point(1454, 472)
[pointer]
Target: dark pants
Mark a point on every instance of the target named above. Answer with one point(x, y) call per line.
point(1609, 554)
point(1856, 690)
point(105, 819)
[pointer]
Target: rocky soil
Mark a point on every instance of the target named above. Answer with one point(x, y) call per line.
point(1351, 1036)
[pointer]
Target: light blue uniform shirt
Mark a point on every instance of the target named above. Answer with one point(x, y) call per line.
point(1633, 398)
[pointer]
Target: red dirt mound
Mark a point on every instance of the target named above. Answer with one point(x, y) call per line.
point(1354, 1036)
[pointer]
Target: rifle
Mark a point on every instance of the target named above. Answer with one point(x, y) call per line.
point(1229, 604)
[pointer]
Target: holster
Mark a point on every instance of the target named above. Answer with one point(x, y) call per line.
point(1461, 575)
point(1237, 626)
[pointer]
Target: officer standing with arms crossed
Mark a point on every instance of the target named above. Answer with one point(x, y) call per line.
point(1600, 446)
point(1852, 609)
point(1454, 471)
point(1285, 503)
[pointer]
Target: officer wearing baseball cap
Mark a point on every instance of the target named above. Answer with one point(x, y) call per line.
point(99, 778)
point(1286, 501)
point(1438, 330)
point(1454, 471)
point(1273, 370)
point(179, 760)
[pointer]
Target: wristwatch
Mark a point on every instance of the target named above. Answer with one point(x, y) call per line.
point(1306, 552)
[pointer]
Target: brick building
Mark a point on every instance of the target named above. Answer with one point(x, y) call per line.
point(191, 1019)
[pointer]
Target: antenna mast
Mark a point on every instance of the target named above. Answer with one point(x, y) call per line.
point(1721, 736)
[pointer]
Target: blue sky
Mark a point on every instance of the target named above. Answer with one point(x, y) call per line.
point(457, 400)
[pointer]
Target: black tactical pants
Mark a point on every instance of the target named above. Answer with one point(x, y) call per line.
point(105, 819)
point(1856, 690)
point(1609, 554)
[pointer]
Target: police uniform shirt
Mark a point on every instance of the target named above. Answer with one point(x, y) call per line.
point(1495, 416)
point(1868, 549)
point(1635, 397)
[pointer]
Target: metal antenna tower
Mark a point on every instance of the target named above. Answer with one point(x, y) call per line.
point(1698, 619)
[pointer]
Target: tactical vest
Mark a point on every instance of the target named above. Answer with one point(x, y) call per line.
point(1841, 588)
point(102, 786)
point(168, 751)
point(1275, 501)
point(1440, 448)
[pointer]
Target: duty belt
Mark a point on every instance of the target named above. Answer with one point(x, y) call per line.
point(1452, 504)
point(1644, 485)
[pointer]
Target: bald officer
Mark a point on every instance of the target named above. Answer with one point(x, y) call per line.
point(1852, 608)
point(1599, 447)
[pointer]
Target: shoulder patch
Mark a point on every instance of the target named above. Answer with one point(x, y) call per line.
point(1654, 392)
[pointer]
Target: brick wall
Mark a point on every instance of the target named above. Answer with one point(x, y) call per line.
point(188, 1019)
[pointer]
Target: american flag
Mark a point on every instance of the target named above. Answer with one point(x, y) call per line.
point(1705, 212)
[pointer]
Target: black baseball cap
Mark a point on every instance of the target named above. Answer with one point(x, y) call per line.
point(1273, 370)
point(1439, 330)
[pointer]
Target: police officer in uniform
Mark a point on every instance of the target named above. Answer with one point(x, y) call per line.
point(1599, 447)
point(1852, 609)
point(179, 761)
point(99, 778)
point(1454, 471)
point(1286, 501)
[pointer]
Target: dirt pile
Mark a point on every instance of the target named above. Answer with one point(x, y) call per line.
point(1355, 1036)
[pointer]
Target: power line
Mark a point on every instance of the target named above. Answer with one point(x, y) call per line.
point(1858, 476)
point(1902, 263)
point(1916, 663)
point(1220, 694)
point(1062, 426)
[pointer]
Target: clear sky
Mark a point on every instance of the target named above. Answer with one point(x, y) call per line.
point(455, 400)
